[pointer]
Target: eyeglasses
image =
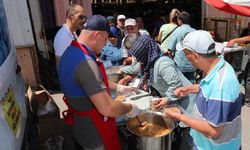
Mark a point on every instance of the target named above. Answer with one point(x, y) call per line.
point(82, 17)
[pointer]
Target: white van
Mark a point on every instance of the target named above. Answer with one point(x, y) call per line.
point(13, 110)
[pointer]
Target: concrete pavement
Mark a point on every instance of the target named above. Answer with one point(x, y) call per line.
point(245, 113)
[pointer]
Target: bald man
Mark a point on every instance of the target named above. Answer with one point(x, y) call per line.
point(75, 18)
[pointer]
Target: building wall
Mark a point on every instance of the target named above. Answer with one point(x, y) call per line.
point(209, 11)
point(20, 25)
point(38, 23)
point(19, 22)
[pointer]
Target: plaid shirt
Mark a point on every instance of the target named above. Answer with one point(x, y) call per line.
point(147, 51)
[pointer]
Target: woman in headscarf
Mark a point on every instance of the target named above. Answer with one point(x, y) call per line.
point(161, 73)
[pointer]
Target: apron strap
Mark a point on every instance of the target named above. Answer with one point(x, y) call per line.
point(100, 64)
point(107, 129)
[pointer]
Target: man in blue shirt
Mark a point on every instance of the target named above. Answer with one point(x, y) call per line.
point(216, 120)
point(91, 111)
point(179, 57)
point(75, 18)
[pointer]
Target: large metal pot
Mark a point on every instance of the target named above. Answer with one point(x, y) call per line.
point(114, 74)
point(161, 128)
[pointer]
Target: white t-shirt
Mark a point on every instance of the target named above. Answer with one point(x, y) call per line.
point(63, 39)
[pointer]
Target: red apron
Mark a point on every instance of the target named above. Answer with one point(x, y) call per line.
point(106, 128)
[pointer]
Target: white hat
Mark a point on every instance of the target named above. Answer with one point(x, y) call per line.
point(130, 22)
point(121, 17)
point(199, 41)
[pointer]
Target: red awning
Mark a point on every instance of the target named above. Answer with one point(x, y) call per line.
point(229, 7)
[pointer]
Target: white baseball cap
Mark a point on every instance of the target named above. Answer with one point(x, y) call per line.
point(121, 17)
point(130, 22)
point(199, 41)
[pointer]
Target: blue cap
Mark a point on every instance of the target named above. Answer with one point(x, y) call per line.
point(114, 31)
point(97, 23)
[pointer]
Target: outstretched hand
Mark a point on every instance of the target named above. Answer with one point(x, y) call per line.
point(158, 104)
point(230, 43)
point(182, 92)
point(175, 115)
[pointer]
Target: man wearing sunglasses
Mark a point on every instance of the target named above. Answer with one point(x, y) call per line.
point(75, 18)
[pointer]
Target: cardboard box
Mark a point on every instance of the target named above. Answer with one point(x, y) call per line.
point(49, 123)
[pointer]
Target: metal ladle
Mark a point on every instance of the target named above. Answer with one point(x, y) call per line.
point(139, 121)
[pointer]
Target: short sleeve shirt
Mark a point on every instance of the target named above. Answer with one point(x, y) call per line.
point(63, 39)
point(219, 103)
point(180, 59)
point(80, 78)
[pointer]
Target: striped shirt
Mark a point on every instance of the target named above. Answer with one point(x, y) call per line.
point(219, 103)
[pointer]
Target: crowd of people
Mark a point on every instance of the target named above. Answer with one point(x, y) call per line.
point(210, 115)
